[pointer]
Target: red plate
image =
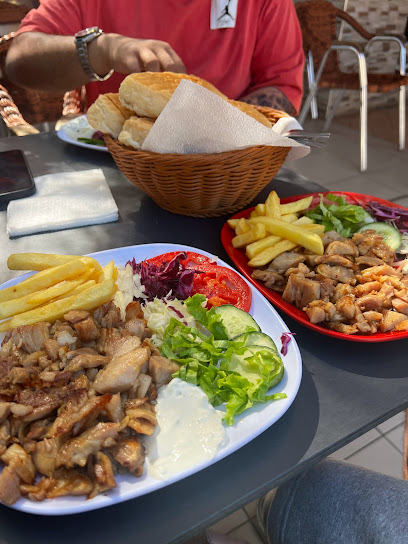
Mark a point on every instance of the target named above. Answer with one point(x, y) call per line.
point(240, 260)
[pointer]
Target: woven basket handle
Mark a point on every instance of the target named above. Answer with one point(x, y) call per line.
point(12, 117)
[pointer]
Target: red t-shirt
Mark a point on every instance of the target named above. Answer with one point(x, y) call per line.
point(264, 48)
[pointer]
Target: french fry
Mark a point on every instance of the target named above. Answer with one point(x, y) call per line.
point(289, 217)
point(272, 206)
point(45, 278)
point(232, 223)
point(44, 261)
point(110, 271)
point(87, 300)
point(83, 287)
point(316, 228)
point(242, 227)
point(304, 221)
point(271, 253)
point(291, 232)
point(297, 206)
point(260, 209)
point(256, 247)
point(33, 300)
point(256, 233)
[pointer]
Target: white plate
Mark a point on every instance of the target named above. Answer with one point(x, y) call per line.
point(247, 426)
point(78, 128)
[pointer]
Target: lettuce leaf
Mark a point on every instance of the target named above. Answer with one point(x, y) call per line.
point(227, 371)
point(335, 213)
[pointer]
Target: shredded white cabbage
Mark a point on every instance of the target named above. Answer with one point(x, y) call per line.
point(158, 314)
point(129, 286)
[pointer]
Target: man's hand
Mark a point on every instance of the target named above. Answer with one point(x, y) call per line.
point(128, 55)
point(271, 97)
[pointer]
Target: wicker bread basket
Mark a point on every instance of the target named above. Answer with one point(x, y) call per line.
point(201, 185)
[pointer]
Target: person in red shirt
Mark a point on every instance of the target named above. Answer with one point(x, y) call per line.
point(251, 50)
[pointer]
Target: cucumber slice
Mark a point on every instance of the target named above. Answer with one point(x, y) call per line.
point(236, 321)
point(253, 371)
point(257, 339)
point(391, 236)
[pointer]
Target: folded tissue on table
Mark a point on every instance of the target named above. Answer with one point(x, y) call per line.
point(62, 201)
point(195, 120)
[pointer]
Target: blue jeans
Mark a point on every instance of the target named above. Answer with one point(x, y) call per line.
point(338, 503)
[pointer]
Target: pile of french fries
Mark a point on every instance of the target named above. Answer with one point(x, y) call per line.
point(62, 283)
point(273, 228)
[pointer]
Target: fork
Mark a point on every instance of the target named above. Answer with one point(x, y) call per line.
point(312, 139)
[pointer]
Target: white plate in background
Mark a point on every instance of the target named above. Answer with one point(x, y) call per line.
point(78, 128)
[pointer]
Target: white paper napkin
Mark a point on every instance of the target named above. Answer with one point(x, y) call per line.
point(196, 120)
point(63, 201)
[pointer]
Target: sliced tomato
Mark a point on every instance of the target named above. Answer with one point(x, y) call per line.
point(219, 284)
point(192, 260)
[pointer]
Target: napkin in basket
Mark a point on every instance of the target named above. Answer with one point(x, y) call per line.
point(195, 120)
point(63, 201)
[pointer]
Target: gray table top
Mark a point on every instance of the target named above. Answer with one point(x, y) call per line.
point(347, 387)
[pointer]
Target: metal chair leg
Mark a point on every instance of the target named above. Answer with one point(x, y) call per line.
point(362, 65)
point(311, 79)
point(402, 94)
point(333, 108)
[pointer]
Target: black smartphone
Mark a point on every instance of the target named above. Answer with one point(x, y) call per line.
point(16, 180)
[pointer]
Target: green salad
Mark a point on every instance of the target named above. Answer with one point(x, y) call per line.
point(229, 370)
point(335, 213)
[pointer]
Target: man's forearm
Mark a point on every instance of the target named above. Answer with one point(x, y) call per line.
point(46, 63)
point(271, 97)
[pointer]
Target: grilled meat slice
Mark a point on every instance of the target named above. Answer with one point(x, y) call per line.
point(20, 462)
point(129, 452)
point(337, 273)
point(9, 486)
point(120, 374)
point(77, 450)
point(331, 236)
point(87, 360)
point(271, 278)
point(104, 475)
point(390, 320)
point(300, 291)
point(87, 329)
point(31, 337)
point(161, 369)
point(288, 259)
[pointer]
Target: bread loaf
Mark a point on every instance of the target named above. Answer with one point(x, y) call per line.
point(147, 93)
point(251, 111)
point(135, 130)
point(108, 115)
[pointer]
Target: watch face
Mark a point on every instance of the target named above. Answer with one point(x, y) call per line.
point(87, 31)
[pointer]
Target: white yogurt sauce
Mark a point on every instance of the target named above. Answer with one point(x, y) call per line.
point(189, 430)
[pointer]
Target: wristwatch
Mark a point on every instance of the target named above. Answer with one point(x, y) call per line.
point(82, 38)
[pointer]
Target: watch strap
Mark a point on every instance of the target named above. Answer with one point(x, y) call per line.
point(81, 42)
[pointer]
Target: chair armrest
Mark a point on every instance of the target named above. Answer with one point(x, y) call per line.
point(12, 117)
point(354, 24)
point(352, 46)
point(397, 38)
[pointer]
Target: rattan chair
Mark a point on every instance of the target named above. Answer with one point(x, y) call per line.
point(318, 22)
point(22, 108)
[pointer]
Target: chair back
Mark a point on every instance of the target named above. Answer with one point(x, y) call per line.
point(318, 23)
point(12, 13)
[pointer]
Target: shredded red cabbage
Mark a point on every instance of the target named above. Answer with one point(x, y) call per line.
point(168, 276)
point(285, 339)
point(397, 217)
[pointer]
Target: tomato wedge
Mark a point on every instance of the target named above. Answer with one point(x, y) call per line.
point(219, 284)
